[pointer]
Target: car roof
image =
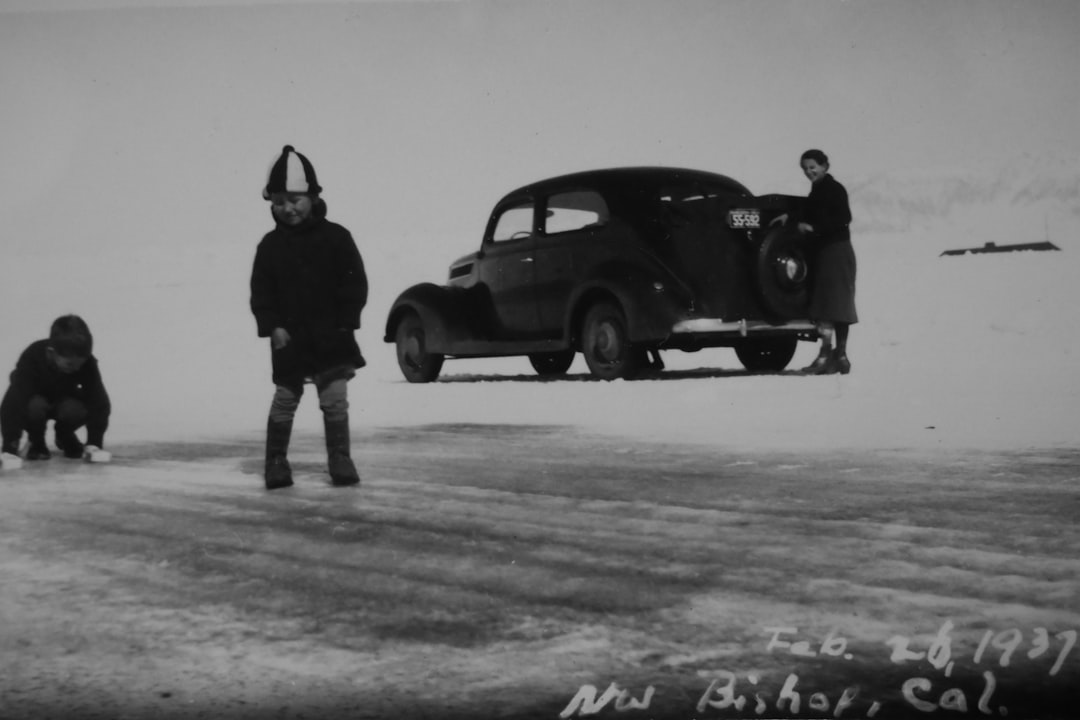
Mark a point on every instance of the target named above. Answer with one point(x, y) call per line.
point(618, 178)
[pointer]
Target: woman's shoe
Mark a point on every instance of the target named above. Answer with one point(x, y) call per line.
point(843, 365)
point(824, 364)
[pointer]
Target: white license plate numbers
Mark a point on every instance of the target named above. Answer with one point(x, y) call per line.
point(744, 219)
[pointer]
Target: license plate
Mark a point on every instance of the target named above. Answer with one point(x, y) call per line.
point(744, 219)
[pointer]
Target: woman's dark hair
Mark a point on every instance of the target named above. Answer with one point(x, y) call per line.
point(817, 156)
point(70, 337)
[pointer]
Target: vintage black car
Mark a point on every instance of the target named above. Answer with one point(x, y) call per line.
point(616, 264)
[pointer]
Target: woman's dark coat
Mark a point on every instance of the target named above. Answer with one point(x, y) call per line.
point(832, 257)
point(310, 280)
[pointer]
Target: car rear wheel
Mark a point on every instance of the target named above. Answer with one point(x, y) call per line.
point(605, 343)
point(552, 363)
point(416, 363)
point(783, 273)
point(766, 354)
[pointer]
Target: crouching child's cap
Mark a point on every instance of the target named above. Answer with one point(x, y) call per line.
point(292, 172)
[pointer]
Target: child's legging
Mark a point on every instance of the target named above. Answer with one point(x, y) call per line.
point(333, 401)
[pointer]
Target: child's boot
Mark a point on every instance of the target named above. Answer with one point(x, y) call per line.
point(338, 454)
point(278, 473)
point(38, 449)
point(68, 442)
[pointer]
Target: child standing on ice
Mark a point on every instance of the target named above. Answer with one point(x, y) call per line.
point(56, 379)
point(308, 287)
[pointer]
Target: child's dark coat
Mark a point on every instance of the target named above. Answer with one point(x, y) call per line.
point(35, 375)
point(310, 280)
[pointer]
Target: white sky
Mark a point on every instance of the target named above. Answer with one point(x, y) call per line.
point(418, 115)
point(410, 92)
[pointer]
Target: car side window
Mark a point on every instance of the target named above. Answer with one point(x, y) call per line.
point(514, 222)
point(574, 211)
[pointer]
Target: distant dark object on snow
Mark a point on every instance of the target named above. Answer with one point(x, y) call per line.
point(995, 248)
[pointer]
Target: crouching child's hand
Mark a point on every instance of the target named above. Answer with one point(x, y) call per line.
point(94, 454)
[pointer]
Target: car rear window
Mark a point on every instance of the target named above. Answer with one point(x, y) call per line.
point(693, 202)
point(690, 194)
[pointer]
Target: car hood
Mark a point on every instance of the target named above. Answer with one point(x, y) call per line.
point(462, 267)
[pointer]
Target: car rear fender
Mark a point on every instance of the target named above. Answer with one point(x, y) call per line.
point(448, 314)
point(652, 306)
point(776, 204)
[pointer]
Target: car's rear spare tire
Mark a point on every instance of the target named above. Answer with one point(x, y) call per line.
point(783, 274)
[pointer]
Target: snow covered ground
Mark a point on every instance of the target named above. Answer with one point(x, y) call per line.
point(978, 351)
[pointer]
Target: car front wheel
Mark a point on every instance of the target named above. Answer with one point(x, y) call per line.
point(766, 354)
point(552, 363)
point(416, 363)
point(605, 343)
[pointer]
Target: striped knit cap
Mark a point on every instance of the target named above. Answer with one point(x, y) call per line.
point(292, 172)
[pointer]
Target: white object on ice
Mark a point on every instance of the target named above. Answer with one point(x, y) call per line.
point(94, 454)
point(10, 462)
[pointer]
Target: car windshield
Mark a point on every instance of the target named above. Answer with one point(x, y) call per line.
point(514, 222)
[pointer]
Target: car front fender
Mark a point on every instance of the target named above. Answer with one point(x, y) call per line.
point(449, 314)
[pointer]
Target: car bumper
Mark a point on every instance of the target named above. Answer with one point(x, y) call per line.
point(742, 328)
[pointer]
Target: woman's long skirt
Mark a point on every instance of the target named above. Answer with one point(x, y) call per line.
point(832, 284)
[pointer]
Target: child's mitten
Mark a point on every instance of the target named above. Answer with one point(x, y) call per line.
point(10, 462)
point(95, 454)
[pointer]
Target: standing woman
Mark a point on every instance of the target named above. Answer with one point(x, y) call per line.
point(823, 223)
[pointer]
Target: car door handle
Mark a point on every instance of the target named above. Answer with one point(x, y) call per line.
point(528, 259)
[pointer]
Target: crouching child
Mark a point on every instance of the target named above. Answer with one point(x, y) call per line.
point(56, 379)
point(308, 287)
